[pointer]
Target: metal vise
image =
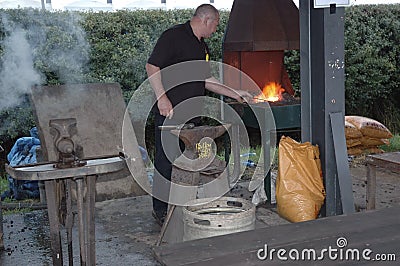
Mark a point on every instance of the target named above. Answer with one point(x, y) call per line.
point(69, 153)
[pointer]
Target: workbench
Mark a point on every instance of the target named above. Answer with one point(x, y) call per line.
point(388, 161)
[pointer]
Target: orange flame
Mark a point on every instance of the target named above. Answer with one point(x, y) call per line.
point(271, 92)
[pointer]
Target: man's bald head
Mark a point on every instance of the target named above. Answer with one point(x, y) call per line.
point(205, 10)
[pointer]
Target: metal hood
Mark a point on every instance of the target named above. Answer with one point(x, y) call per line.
point(262, 25)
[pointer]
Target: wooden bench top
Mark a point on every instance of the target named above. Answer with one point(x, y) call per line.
point(388, 160)
point(377, 230)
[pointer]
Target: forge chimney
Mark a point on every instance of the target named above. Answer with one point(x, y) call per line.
point(257, 34)
point(262, 25)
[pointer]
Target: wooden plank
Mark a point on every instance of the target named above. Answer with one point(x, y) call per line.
point(362, 230)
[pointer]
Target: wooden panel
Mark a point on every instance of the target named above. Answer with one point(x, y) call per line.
point(376, 230)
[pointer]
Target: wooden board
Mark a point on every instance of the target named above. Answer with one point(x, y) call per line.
point(376, 230)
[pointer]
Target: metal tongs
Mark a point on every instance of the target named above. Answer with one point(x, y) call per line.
point(177, 127)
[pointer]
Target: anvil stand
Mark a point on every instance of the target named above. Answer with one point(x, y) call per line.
point(197, 161)
point(62, 173)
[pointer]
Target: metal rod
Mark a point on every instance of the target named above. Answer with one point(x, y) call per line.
point(81, 220)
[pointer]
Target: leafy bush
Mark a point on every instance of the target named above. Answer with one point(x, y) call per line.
point(372, 54)
point(113, 47)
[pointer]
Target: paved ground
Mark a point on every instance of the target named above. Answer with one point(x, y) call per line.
point(126, 232)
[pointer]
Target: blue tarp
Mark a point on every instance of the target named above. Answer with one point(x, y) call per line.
point(23, 152)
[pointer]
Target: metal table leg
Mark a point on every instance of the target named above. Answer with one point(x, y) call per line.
point(69, 221)
point(81, 220)
point(90, 219)
point(52, 210)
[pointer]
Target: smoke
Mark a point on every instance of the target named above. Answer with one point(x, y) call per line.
point(51, 45)
point(17, 74)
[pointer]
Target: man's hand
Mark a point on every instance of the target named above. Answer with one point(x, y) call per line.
point(165, 107)
point(212, 84)
point(163, 103)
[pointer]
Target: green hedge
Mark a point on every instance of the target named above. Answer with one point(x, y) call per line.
point(372, 54)
point(118, 44)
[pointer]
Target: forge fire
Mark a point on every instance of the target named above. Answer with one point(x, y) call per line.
point(272, 92)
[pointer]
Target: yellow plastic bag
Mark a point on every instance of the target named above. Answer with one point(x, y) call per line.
point(300, 190)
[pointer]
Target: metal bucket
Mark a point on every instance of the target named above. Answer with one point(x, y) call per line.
point(225, 215)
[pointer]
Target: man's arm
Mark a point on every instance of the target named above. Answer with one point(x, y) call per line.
point(212, 84)
point(163, 103)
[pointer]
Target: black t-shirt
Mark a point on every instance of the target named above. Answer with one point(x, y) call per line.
point(175, 46)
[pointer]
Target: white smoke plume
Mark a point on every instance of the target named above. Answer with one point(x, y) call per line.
point(17, 74)
point(53, 44)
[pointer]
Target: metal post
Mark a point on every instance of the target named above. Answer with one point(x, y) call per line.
point(305, 67)
point(322, 86)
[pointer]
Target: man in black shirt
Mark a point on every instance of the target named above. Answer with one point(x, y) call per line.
point(181, 43)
